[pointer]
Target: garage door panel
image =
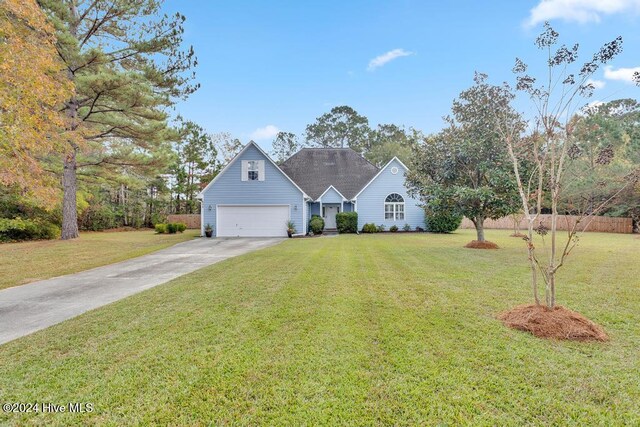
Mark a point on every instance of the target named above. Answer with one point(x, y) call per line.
point(252, 221)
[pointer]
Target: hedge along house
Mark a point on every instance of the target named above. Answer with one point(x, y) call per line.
point(254, 197)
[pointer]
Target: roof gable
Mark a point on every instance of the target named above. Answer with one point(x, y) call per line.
point(331, 191)
point(239, 155)
point(317, 169)
point(395, 161)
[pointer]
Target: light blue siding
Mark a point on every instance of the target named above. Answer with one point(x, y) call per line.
point(276, 189)
point(314, 209)
point(370, 203)
point(331, 196)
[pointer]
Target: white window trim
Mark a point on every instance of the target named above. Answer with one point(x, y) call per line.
point(394, 208)
point(253, 166)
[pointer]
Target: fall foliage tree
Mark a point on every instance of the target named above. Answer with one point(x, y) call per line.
point(32, 89)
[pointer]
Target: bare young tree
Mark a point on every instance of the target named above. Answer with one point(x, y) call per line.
point(550, 149)
point(284, 146)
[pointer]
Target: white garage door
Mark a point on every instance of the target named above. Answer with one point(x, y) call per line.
point(252, 221)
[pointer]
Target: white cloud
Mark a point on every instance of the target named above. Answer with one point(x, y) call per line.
point(381, 60)
point(594, 104)
point(581, 11)
point(267, 132)
point(623, 74)
point(597, 84)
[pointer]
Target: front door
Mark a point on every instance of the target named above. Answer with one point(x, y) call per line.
point(329, 215)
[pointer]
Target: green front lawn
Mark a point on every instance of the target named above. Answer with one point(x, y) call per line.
point(26, 262)
point(373, 329)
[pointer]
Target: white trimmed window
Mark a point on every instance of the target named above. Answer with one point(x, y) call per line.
point(394, 207)
point(252, 170)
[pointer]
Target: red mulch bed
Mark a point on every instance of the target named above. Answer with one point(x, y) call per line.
point(518, 235)
point(475, 244)
point(559, 323)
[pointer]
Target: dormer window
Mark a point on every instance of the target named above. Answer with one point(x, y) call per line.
point(252, 169)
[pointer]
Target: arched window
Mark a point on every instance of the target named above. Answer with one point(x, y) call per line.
point(394, 207)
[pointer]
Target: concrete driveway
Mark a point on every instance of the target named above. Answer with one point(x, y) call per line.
point(29, 308)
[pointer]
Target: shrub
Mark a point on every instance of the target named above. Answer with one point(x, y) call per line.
point(49, 231)
point(406, 227)
point(158, 217)
point(442, 221)
point(393, 228)
point(97, 218)
point(172, 228)
point(316, 224)
point(27, 229)
point(347, 222)
point(161, 228)
point(180, 226)
point(381, 228)
point(369, 228)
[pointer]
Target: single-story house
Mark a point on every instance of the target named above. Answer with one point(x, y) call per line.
point(254, 197)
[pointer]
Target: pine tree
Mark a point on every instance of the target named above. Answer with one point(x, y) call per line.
point(125, 62)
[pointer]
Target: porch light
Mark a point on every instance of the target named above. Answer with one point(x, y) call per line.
point(295, 207)
point(210, 208)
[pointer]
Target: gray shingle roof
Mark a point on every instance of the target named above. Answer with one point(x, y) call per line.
point(315, 169)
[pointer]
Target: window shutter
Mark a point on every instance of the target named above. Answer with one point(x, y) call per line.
point(245, 171)
point(260, 170)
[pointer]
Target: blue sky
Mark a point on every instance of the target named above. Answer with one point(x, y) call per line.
point(277, 65)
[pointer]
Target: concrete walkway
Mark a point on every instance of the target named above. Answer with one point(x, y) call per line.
point(34, 306)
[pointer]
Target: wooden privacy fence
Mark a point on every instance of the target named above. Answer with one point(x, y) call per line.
point(192, 220)
point(603, 224)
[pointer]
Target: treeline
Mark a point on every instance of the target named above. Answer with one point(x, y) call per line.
point(87, 140)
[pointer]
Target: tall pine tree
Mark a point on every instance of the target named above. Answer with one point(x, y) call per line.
point(125, 60)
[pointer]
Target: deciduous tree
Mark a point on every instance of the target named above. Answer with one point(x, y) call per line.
point(32, 90)
point(556, 97)
point(388, 141)
point(468, 161)
point(284, 146)
point(227, 145)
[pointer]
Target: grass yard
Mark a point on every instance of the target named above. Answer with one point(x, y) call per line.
point(26, 262)
point(360, 330)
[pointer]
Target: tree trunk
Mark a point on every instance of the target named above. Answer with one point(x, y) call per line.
point(149, 218)
point(532, 264)
point(69, 205)
point(479, 223)
point(123, 203)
